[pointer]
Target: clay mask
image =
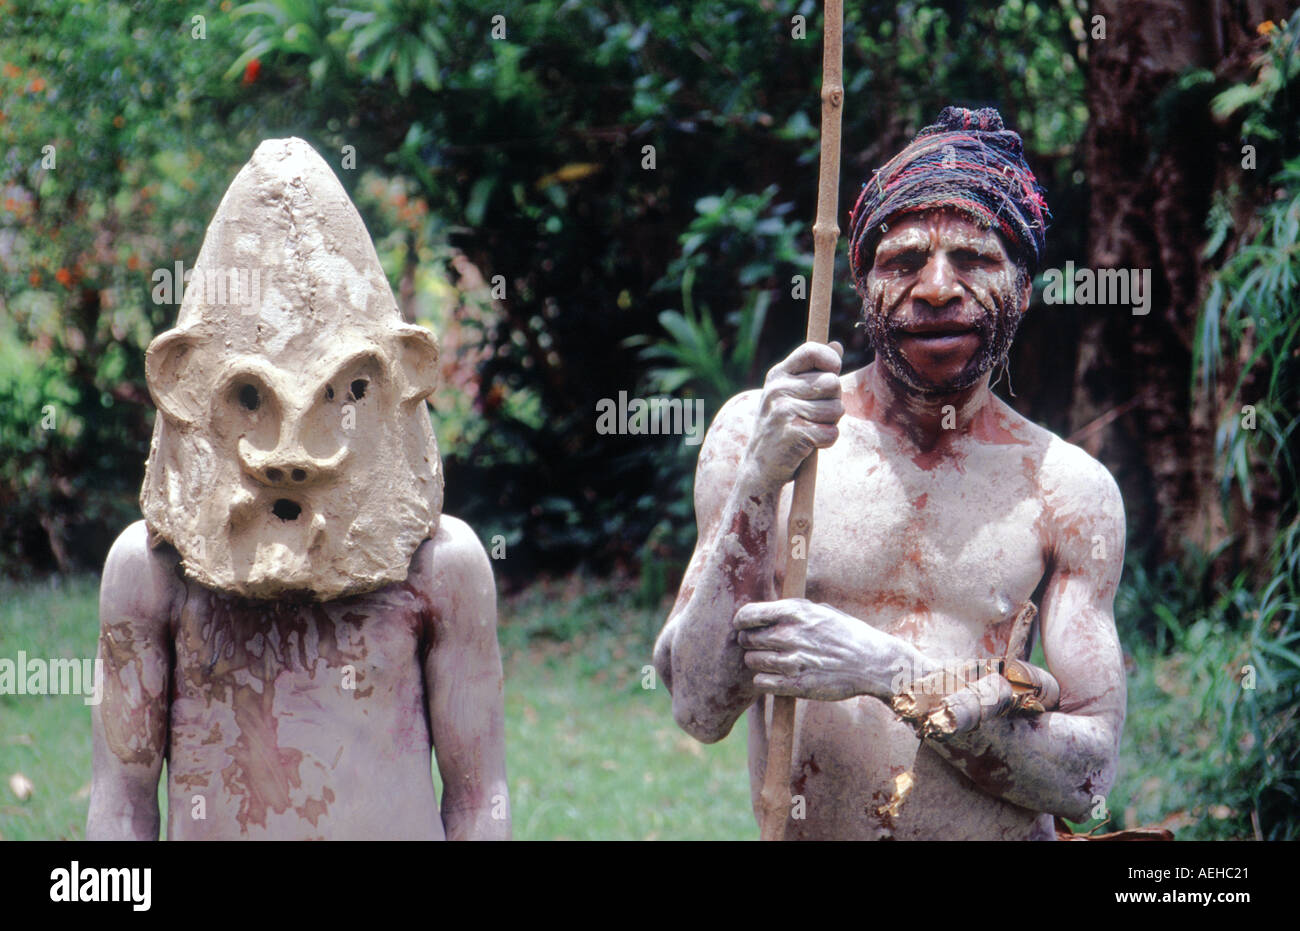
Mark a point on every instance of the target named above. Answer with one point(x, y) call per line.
point(292, 452)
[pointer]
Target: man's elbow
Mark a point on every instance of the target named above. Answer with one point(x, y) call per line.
point(705, 731)
point(1076, 808)
point(702, 719)
point(663, 659)
point(1087, 801)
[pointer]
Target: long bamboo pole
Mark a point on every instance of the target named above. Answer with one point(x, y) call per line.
point(775, 801)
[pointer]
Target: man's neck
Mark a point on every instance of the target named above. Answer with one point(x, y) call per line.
point(926, 419)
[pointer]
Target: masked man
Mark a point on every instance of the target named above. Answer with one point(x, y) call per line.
point(939, 512)
point(294, 626)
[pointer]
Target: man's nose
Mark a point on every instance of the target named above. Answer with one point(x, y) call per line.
point(937, 284)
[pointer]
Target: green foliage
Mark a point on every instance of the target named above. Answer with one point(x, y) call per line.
point(1257, 103)
point(524, 156)
point(116, 151)
point(1210, 746)
point(1252, 309)
point(740, 245)
point(1250, 320)
point(1235, 644)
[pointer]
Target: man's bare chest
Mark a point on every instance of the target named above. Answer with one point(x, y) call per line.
point(281, 712)
point(268, 658)
point(940, 550)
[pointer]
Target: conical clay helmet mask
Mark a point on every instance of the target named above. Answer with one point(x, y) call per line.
point(292, 452)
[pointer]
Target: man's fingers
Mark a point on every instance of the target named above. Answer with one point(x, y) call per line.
point(821, 412)
point(762, 638)
point(811, 386)
point(768, 661)
point(755, 614)
point(822, 435)
point(763, 613)
point(774, 684)
point(808, 357)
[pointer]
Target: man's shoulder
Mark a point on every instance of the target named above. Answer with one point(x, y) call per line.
point(141, 580)
point(736, 416)
point(451, 562)
point(729, 433)
point(1068, 475)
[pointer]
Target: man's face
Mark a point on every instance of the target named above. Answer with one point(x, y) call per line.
point(943, 301)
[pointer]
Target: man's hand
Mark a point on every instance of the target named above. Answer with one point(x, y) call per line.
point(806, 650)
point(798, 412)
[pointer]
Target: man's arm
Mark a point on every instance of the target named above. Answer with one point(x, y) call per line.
point(464, 684)
point(129, 725)
point(1061, 762)
point(752, 450)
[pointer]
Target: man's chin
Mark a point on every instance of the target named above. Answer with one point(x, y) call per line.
point(936, 380)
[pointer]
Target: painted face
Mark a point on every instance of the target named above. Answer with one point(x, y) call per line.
point(293, 452)
point(943, 301)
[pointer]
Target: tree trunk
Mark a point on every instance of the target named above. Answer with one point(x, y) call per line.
point(1154, 157)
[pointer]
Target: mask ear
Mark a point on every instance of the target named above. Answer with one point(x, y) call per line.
point(417, 363)
point(167, 366)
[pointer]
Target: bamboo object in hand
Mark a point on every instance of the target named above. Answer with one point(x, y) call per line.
point(775, 801)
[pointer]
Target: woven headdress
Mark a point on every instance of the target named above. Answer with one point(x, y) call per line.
point(967, 161)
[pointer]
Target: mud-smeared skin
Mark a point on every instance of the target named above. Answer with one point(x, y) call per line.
point(253, 714)
point(926, 541)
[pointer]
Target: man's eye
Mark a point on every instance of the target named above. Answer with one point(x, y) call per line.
point(906, 262)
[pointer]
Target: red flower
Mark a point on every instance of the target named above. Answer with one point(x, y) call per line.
point(252, 70)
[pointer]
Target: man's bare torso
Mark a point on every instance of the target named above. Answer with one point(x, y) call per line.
point(938, 549)
point(290, 719)
point(300, 720)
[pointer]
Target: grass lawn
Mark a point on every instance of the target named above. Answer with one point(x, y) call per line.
point(591, 754)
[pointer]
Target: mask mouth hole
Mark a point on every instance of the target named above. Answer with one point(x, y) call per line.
point(286, 509)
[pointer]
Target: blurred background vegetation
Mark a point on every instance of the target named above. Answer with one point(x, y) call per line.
point(1165, 141)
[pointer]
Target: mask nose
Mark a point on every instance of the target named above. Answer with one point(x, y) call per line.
point(289, 466)
point(296, 469)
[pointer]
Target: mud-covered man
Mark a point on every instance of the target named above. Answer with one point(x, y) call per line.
point(939, 512)
point(295, 625)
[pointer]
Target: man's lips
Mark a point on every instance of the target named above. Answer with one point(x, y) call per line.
point(936, 329)
point(937, 338)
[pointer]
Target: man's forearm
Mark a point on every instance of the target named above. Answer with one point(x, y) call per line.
point(486, 816)
point(118, 814)
point(1054, 762)
point(711, 686)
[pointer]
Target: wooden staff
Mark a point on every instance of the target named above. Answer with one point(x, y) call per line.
point(774, 802)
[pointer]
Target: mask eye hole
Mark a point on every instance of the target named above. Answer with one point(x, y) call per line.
point(249, 398)
point(329, 392)
point(358, 389)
